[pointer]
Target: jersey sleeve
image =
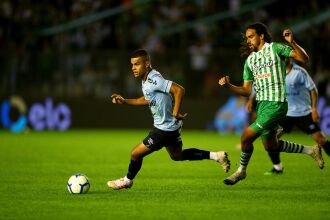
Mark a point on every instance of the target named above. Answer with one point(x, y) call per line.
point(282, 49)
point(247, 74)
point(309, 83)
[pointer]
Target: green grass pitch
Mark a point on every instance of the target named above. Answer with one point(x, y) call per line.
point(35, 167)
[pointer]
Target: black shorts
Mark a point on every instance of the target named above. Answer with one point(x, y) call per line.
point(304, 123)
point(158, 139)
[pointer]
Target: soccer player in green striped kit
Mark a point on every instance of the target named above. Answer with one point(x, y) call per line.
point(265, 70)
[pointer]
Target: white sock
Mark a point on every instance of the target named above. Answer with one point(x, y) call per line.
point(127, 180)
point(241, 168)
point(278, 167)
point(213, 156)
point(307, 150)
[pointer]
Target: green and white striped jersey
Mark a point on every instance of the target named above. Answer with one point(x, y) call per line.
point(266, 68)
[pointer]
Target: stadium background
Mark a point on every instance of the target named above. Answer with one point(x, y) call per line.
point(76, 52)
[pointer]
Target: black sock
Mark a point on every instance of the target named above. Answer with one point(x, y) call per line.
point(326, 148)
point(195, 154)
point(274, 157)
point(133, 169)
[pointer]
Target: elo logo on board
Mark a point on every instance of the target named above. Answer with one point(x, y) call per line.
point(41, 116)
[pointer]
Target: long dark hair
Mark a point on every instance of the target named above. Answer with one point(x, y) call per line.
point(260, 29)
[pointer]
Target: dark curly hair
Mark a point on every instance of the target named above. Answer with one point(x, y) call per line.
point(260, 29)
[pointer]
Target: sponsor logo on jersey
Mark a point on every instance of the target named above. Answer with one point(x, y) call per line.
point(292, 93)
point(262, 76)
point(152, 81)
point(256, 68)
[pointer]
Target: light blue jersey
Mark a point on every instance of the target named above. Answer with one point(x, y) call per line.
point(156, 91)
point(298, 87)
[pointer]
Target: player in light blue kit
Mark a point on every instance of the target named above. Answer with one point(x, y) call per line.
point(302, 111)
point(164, 98)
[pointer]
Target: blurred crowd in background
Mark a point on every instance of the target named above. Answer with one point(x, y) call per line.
point(93, 60)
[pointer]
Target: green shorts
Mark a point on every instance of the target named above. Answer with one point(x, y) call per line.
point(269, 115)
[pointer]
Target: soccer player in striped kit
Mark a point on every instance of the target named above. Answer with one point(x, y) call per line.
point(164, 98)
point(265, 69)
point(302, 111)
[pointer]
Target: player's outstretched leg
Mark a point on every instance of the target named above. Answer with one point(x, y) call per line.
point(122, 183)
point(317, 156)
point(315, 152)
point(196, 154)
point(223, 160)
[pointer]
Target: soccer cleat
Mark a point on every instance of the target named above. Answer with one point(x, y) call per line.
point(235, 177)
point(223, 160)
point(122, 183)
point(273, 172)
point(317, 156)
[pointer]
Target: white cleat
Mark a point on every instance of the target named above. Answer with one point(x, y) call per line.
point(223, 160)
point(235, 177)
point(122, 183)
point(317, 156)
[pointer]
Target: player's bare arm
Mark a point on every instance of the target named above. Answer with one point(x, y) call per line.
point(178, 92)
point(244, 90)
point(118, 99)
point(249, 103)
point(314, 98)
point(298, 53)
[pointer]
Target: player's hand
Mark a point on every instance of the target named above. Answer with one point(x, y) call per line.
point(224, 81)
point(117, 99)
point(287, 34)
point(315, 115)
point(180, 116)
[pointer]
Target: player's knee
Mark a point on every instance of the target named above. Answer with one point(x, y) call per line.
point(136, 156)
